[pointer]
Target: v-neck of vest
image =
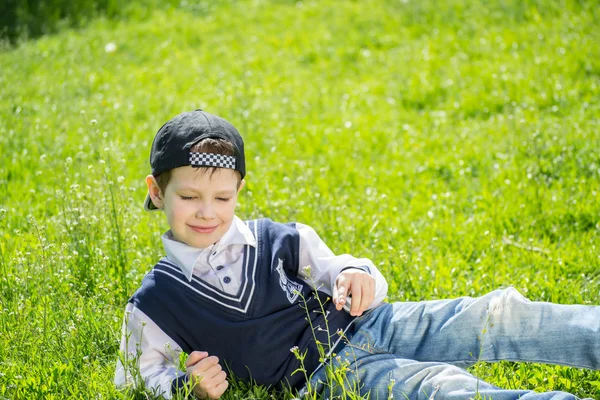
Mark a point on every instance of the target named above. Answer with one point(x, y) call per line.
point(238, 302)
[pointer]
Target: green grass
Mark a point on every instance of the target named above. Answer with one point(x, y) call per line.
point(443, 140)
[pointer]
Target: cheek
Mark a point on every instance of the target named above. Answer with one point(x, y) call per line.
point(227, 211)
point(177, 212)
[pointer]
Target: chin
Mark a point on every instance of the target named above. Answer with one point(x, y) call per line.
point(203, 243)
point(199, 244)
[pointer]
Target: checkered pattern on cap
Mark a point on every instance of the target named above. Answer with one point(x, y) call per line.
point(212, 160)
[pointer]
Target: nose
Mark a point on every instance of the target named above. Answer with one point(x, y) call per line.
point(205, 210)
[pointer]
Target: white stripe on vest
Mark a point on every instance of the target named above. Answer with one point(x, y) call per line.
point(291, 289)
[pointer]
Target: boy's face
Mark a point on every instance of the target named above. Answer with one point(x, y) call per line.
point(199, 205)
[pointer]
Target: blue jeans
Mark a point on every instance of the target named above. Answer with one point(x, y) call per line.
point(419, 349)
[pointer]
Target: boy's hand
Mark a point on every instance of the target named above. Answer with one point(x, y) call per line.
point(206, 374)
point(358, 283)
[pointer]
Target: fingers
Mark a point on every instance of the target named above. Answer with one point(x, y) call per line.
point(194, 357)
point(204, 371)
point(213, 371)
point(340, 291)
point(357, 296)
point(208, 379)
point(368, 294)
point(218, 390)
point(207, 375)
point(360, 285)
point(205, 364)
point(213, 388)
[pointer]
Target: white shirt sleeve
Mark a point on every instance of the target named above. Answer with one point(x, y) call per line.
point(326, 266)
point(157, 364)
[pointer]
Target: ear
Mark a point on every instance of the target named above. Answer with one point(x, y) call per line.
point(242, 184)
point(154, 191)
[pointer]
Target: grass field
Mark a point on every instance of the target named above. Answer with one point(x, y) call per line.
point(457, 144)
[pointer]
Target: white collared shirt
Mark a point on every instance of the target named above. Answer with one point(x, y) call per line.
point(220, 265)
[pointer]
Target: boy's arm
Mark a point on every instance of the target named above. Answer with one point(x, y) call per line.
point(325, 266)
point(145, 346)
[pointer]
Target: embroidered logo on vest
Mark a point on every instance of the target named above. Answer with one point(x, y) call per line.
point(291, 289)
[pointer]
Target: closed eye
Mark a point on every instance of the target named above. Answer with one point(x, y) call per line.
point(223, 199)
point(186, 198)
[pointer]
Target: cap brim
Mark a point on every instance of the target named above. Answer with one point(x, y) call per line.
point(149, 205)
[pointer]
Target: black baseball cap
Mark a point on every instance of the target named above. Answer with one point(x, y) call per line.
point(173, 141)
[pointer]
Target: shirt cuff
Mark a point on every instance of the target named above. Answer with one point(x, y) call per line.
point(364, 268)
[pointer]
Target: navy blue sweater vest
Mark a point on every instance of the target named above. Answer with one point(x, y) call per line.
point(253, 331)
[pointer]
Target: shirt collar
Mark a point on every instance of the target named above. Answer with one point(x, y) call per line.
point(186, 256)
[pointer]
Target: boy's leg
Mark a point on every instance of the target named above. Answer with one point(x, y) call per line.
point(502, 325)
point(383, 376)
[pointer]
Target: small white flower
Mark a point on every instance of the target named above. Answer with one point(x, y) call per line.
point(110, 47)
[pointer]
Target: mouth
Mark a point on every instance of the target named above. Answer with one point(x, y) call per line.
point(203, 229)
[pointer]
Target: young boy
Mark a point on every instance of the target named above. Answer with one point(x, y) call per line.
point(240, 295)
